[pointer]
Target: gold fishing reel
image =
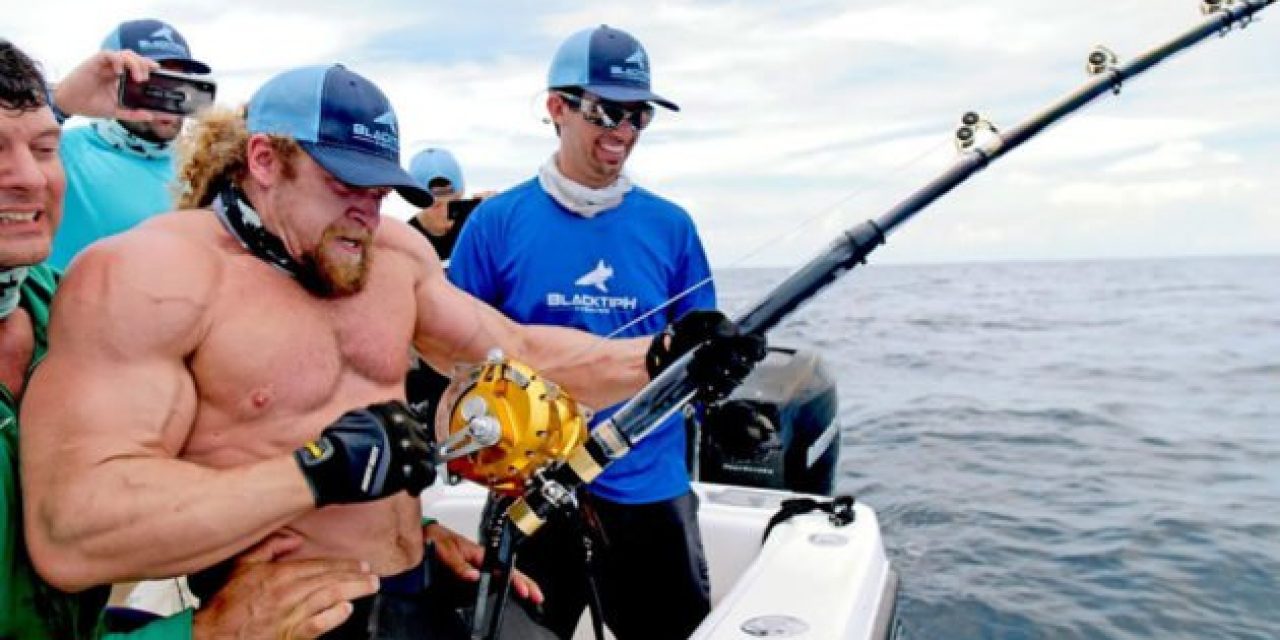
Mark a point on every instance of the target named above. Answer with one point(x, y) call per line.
point(500, 422)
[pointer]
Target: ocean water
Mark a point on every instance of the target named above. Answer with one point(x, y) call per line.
point(1061, 450)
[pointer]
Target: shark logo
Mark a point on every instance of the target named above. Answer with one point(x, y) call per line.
point(596, 277)
point(163, 40)
point(635, 68)
point(388, 140)
point(638, 59)
point(165, 32)
point(388, 119)
point(593, 302)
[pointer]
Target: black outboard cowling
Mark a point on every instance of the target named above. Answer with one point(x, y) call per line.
point(777, 430)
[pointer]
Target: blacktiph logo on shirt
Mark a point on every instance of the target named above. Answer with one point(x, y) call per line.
point(597, 279)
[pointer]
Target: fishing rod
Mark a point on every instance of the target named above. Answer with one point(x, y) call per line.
point(552, 488)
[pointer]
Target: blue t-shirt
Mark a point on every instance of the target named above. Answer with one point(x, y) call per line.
point(539, 263)
point(109, 191)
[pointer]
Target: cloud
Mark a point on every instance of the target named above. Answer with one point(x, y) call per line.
point(1181, 154)
point(1148, 194)
point(810, 110)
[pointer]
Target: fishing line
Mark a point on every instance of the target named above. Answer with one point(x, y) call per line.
point(869, 185)
point(832, 211)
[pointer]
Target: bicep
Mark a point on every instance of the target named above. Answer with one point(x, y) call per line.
point(89, 421)
point(114, 382)
point(81, 411)
point(454, 327)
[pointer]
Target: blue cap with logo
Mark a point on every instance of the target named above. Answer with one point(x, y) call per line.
point(437, 164)
point(156, 40)
point(343, 121)
point(607, 62)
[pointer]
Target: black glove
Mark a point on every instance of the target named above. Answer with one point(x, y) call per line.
point(368, 454)
point(720, 364)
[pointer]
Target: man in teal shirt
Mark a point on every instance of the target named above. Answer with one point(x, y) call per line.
point(120, 172)
point(263, 599)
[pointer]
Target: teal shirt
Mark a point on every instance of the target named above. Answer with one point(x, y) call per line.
point(109, 191)
point(30, 608)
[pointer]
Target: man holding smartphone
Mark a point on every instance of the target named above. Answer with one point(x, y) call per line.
point(119, 171)
point(439, 172)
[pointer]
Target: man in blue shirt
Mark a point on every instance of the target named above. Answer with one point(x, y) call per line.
point(120, 172)
point(581, 246)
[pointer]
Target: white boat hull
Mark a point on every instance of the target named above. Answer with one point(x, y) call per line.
point(811, 579)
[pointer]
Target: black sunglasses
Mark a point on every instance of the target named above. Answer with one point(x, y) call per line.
point(609, 115)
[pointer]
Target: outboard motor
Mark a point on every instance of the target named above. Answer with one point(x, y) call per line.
point(777, 430)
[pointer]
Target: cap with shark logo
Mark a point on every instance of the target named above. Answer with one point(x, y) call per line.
point(156, 40)
point(607, 62)
point(343, 121)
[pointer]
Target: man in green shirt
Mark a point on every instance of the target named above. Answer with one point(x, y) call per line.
point(263, 599)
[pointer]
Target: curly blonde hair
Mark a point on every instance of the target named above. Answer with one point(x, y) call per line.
point(214, 150)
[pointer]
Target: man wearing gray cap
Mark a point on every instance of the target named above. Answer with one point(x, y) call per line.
point(581, 246)
point(120, 172)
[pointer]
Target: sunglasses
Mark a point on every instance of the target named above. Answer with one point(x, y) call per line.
point(609, 115)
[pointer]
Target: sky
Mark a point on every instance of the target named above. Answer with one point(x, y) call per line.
point(802, 118)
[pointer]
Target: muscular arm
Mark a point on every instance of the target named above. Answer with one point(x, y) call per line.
point(454, 327)
point(107, 413)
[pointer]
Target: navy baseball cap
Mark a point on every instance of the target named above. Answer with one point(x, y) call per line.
point(156, 40)
point(343, 121)
point(607, 62)
point(433, 164)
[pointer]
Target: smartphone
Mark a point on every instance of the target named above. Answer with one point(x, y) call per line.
point(459, 209)
point(168, 92)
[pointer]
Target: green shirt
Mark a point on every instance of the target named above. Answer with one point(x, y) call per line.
point(29, 607)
